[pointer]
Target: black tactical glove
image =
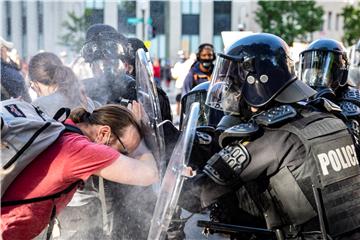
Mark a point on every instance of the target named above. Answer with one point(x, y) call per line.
point(205, 146)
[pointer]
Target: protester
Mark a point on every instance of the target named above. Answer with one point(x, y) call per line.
point(12, 82)
point(202, 69)
point(106, 132)
point(56, 85)
point(143, 197)
point(179, 72)
point(278, 155)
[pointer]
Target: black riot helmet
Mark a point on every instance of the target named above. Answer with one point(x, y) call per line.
point(258, 69)
point(103, 42)
point(324, 64)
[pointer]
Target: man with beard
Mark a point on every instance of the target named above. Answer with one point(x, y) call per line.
point(202, 69)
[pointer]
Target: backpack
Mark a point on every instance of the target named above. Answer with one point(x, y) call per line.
point(25, 133)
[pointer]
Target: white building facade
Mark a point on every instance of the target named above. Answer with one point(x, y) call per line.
point(169, 25)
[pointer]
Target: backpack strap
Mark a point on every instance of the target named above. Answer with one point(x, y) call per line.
point(72, 128)
point(48, 197)
point(61, 112)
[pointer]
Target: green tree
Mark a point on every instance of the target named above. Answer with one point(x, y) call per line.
point(351, 16)
point(76, 27)
point(289, 20)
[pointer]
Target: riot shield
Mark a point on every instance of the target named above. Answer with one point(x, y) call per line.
point(173, 179)
point(148, 97)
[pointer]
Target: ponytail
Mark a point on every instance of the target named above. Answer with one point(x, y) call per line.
point(48, 69)
point(80, 115)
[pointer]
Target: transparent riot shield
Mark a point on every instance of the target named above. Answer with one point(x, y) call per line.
point(173, 179)
point(148, 97)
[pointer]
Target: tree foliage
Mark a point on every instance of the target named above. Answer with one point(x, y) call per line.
point(351, 27)
point(76, 27)
point(289, 20)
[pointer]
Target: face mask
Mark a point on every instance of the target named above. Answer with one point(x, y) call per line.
point(207, 64)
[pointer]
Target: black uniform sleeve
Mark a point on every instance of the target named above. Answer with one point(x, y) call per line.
point(272, 151)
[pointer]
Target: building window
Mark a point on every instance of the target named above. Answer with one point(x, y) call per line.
point(40, 22)
point(156, 28)
point(157, 14)
point(23, 29)
point(126, 9)
point(8, 19)
point(96, 11)
point(329, 20)
point(190, 22)
point(222, 22)
point(190, 6)
point(337, 22)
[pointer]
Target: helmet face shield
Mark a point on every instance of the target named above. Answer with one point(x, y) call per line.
point(226, 86)
point(104, 49)
point(320, 69)
point(107, 68)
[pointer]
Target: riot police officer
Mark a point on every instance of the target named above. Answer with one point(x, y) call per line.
point(286, 155)
point(324, 66)
point(104, 49)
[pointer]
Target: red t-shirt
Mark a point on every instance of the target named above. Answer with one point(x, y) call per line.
point(71, 158)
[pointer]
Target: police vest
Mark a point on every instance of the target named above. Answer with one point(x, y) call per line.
point(349, 102)
point(331, 165)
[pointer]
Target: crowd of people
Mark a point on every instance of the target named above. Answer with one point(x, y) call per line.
point(275, 148)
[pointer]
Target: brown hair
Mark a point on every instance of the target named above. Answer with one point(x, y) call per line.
point(48, 69)
point(117, 117)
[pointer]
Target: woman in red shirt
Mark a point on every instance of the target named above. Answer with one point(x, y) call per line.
point(106, 132)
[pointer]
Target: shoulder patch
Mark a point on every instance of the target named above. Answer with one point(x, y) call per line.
point(276, 115)
point(351, 94)
point(349, 109)
point(238, 132)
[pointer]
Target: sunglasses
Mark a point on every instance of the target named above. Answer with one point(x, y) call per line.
point(125, 150)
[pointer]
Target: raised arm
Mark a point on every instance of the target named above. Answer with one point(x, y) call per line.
point(138, 169)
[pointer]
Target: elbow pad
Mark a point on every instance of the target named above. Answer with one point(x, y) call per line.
point(226, 166)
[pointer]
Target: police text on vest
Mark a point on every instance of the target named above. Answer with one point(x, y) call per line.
point(340, 158)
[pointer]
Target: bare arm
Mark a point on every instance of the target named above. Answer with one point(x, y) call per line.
point(138, 169)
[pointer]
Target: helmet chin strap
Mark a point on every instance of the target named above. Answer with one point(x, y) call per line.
point(325, 93)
